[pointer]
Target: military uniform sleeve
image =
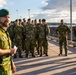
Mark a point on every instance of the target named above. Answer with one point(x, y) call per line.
point(68, 30)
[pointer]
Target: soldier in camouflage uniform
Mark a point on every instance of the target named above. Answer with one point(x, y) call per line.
point(44, 37)
point(18, 36)
point(23, 42)
point(63, 32)
point(10, 29)
point(43, 34)
point(6, 64)
point(29, 32)
point(37, 28)
point(32, 22)
point(24, 22)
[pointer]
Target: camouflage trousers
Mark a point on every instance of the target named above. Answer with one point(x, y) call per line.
point(37, 46)
point(18, 43)
point(63, 43)
point(30, 45)
point(5, 72)
point(43, 44)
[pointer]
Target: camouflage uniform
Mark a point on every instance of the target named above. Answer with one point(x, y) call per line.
point(37, 28)
point(62, 31)
point(10, 29)
point(18, 39)
point(5, 60)
point(74, 31)
point(29, 32)
point(43, 34)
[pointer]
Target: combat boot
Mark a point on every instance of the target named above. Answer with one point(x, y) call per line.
point(20, 56)
point(46, 54)
point(59, 54)
point(33, 55)
point(15, 56)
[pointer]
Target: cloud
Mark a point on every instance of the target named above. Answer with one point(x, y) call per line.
point(59, 5)
point(55, 10)
point(50, 16)
point(53, 16)
point(2, 2)
point(44, 2)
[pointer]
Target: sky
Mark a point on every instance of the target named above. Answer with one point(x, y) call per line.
point(51, 10)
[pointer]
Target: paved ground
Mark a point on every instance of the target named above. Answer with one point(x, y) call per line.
point(51, 65)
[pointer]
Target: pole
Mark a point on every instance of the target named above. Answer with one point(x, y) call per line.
point(17, 13)
point(71, 18)
point(20, 17)
point(29, 13)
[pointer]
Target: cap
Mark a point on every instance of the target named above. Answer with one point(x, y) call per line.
point(4, 12)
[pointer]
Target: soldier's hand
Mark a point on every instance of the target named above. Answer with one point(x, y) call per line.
point(66, 35)
point(12, 51)
point(14, 69)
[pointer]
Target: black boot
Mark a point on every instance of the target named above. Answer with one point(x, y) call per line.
point(26, 55)
point(46, 54)
point(15, 56)
point(20, 56)
point(33, 55)
point(60, 54)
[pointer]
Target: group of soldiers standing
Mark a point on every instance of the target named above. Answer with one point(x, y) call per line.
point(29, 36)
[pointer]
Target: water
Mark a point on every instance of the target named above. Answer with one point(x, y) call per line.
point(58, 25)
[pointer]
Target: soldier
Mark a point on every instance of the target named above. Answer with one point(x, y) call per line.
point(63, 32)
point(10, 29)
point(43, 37)
point(24, 22)
point(6, 64)
point(18, 36)
point(23, 42)
point(20, 22)
point(35, 22)
point(32, 21)
point(37, 27)
point(29, 32)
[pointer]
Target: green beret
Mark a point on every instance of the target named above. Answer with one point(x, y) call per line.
point(43, 20)
point(16, 20)
point(29, 19)
point(24, 20)
point(4, 12)
point(20, 20)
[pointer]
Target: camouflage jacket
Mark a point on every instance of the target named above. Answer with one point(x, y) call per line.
point(29, 32)
point(43, 31)
point(18, 33)
point(63, 30)
point(10, 29)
